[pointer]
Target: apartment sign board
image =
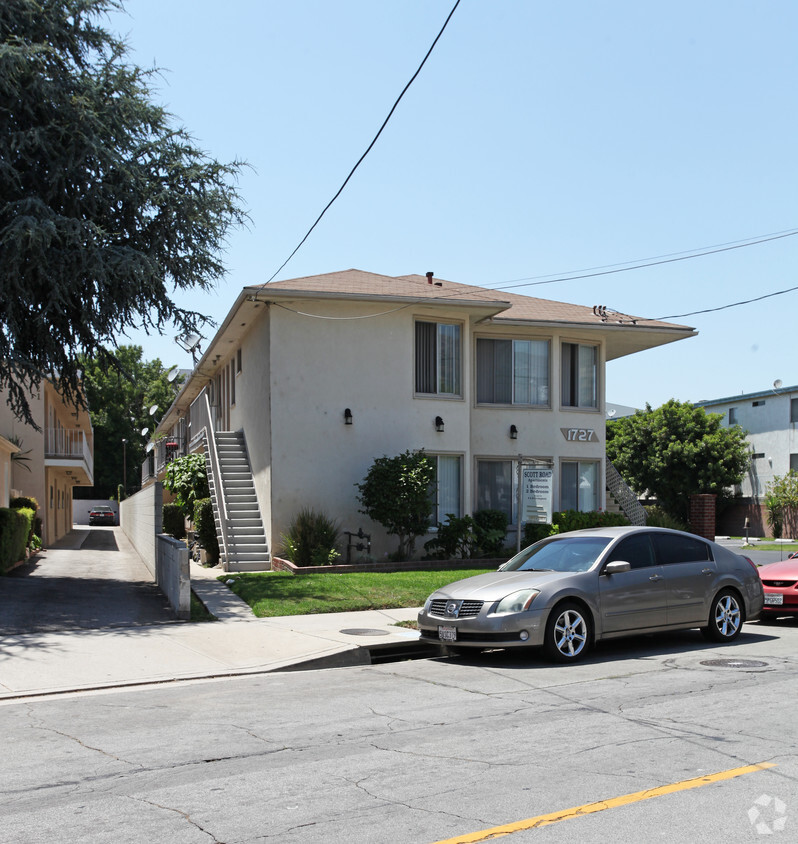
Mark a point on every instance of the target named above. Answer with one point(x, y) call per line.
point(537, 494)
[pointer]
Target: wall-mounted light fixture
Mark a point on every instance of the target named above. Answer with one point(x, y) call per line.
point(439, 424)
point(513, 432)
point(347, 417)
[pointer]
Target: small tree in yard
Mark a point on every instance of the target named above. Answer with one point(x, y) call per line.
point(396, 493)
point(187, 479)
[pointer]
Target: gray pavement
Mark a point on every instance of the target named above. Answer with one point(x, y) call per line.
point(95, 624)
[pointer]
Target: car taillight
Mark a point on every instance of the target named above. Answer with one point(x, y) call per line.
point(749, 560)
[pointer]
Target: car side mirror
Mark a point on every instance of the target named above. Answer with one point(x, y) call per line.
point(616, 567)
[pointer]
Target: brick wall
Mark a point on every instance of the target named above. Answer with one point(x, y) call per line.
point(702, 515)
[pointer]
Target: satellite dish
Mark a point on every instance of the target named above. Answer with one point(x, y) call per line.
point(611, 413)
point(144, 432)
point(150, 447)
point(189, 342)
point(153, 410)
point(172, 374)
point(777, 384)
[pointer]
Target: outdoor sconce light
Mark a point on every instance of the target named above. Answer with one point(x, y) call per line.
point(439, 424)
point(347, 417)
point(513, 432)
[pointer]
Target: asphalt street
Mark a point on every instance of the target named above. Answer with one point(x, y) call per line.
point(425, 751)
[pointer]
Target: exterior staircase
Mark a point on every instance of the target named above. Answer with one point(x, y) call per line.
point(244, 547)
point(621, 499)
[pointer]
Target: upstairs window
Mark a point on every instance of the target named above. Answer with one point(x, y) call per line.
point(438, 358)
point(579, 375)
point(793, 410)
point(513, 372)
point(732, 416)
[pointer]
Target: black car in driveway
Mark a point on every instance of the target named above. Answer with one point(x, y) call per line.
point(102, 515)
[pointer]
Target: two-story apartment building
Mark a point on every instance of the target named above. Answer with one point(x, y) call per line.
point(321, 375)
point(770, 420)
point(57, 457)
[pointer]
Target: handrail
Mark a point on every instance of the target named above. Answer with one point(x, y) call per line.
point(625, 497)
point(217, 473)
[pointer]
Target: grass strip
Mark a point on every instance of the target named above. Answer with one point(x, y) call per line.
point(272, 594)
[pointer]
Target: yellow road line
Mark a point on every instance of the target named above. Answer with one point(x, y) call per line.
point(590, 808)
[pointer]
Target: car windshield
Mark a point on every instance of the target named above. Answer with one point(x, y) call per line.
point(572, 553)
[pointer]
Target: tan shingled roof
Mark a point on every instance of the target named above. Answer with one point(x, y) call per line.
point(358, 283)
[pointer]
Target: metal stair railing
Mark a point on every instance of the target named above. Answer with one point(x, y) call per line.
point(625, 497)
point(216, 469)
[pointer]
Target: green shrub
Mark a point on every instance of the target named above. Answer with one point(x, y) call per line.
point(24, 501)
point(15, 529)
point(311, 539)
point(657, 517)
point(174, 523)
point(490, 528)
point(572, 520)
point(205, 528)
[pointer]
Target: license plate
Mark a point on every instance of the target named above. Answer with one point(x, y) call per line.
point(774, 599)
point(447, 634)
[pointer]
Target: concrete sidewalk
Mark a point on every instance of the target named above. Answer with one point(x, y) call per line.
point(52, 662)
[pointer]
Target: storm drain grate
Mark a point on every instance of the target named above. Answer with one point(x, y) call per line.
point(734, 663)
point(364, 631)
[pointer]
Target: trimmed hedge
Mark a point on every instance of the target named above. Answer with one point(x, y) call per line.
point(205, 528)
point(174, 522)
point(15, 528)
point(24, 501)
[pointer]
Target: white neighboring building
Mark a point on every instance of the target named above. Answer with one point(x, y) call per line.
point(769, 419)
point(321, 375)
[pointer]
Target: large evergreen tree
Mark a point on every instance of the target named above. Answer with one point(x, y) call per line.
point(676, 451)
point(106, 208)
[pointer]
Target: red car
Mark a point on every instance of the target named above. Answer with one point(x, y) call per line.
point(780, 581)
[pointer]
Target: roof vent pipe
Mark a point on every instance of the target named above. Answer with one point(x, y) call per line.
point(429, 277)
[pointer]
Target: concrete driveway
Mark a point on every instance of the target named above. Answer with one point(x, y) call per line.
point(90, 579)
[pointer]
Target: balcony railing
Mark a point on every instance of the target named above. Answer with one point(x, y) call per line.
point(68, 444)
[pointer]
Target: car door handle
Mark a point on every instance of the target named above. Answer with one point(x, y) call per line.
point(655, 577)
point(707, 571)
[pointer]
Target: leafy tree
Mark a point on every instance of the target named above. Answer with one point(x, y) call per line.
point(119, 401)
point(396, 494)
point(187, 479)
point(676, 451)
point(106, 208)
point(781, 501)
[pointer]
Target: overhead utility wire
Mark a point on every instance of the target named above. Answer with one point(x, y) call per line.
point(374, 141)
point(732, 305)
point(653, 262)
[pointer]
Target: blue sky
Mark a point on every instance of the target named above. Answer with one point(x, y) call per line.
point(541, 138)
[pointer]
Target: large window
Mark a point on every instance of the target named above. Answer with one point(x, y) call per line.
point(512, 371)
point(496, 487)
point(793, 410)
point(579, 485)
point(438, 353)
point(448, 496)
point(579, 375)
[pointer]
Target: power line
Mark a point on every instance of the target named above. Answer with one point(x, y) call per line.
point(732, 305)
point(374, 141)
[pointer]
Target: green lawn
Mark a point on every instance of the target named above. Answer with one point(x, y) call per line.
point(278, 593)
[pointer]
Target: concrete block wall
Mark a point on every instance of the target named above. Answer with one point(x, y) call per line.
point(173, 573)
point(141, 518)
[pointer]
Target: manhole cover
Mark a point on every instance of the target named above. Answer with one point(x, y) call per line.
point(734, 663)
point(364, 631)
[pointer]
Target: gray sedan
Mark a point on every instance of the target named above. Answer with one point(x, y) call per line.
point(568, 591)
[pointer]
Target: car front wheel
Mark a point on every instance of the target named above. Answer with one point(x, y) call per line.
point(726, 617)
point(567, 633)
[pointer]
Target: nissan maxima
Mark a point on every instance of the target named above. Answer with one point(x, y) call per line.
point(571, 590)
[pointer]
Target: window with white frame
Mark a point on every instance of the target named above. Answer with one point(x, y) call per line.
point(448, 493)
point(512, 371)
point(579, 485)
point(438, 358)
point(496, 486)
point(579, 365)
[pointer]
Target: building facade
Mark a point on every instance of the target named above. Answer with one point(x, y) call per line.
point(769, 419)
point(49, 462)
point(324, 374)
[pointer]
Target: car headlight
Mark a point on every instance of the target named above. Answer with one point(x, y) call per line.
point(517, 601)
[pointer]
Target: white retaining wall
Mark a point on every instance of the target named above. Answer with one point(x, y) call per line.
point(141, 518)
